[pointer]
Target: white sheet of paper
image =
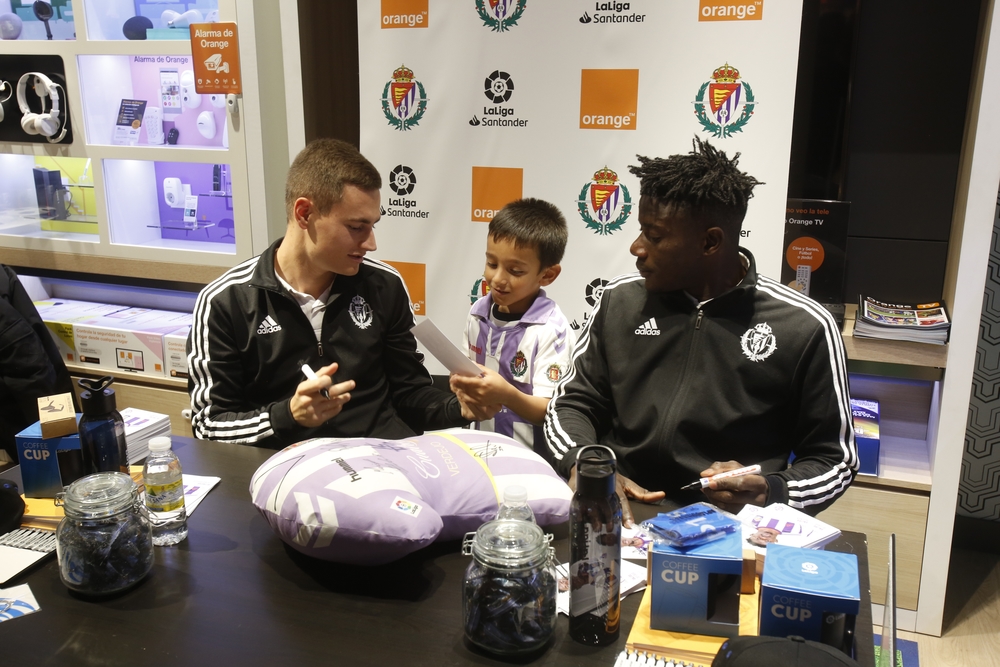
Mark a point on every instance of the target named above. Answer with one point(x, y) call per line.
point(444, 350)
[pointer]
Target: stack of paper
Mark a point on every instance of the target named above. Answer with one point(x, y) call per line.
point(141, 426)
point(920, 323)
point(780, 524)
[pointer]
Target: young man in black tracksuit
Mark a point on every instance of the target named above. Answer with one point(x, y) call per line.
point(314, 298)
point(697, 364)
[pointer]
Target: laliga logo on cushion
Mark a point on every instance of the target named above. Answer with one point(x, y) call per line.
point(500, 15)
point(493, 188)
point(608, 99)
point(734, 10)
point(404, 14)
point(728, 96)
point(607, 198)
point(404, 100)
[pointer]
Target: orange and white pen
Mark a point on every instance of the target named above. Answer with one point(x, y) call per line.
point(739, 472)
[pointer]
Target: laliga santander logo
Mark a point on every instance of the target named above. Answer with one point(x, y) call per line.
point(607, 197)
point(404, 100)
point(728, 96)
point(501, 14)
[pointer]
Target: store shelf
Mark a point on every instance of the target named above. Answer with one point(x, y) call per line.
point(86, 370)
point(891, 352)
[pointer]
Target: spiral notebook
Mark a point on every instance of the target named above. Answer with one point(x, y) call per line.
point(22, 549)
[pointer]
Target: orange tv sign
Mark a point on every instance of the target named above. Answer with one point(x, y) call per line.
point(734, 10)
point(609, 99)
point(404, 14)
point(215, 52)
point(415, 278)
point(493, 188)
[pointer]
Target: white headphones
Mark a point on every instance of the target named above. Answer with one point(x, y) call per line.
point(10, 91)
point(47, 124)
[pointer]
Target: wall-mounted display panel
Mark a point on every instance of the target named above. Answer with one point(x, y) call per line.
point(32, 20)
point(179, 205)
point(146, 19)
point(47, 197)
point(149, 100)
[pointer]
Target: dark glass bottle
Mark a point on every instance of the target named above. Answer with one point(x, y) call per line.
point(595, 519)
point(102, 430)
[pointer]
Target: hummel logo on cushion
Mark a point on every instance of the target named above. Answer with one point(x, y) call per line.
point(268, 325)
point(648, 328)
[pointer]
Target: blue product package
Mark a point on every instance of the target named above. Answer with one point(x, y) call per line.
point(810, 593)
point(866, 434)
point(697, 590)
point(692, 525)
point(39, 459)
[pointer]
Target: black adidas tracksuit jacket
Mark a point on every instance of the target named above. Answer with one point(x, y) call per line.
point(750, 376)
point(250, 338)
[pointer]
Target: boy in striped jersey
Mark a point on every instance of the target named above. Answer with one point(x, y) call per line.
point(517, 335)
point(696, 364)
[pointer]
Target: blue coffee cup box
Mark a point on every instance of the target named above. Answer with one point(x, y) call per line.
point(801, 589)
point(697, 590)
point(39, 460)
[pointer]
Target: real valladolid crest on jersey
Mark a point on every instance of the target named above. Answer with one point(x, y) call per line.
point(360, 312)
point(758, 342)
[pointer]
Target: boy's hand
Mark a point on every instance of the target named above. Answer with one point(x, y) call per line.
point(475, 412)
point(488, 389)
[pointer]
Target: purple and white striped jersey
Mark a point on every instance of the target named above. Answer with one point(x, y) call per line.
point(532, 353)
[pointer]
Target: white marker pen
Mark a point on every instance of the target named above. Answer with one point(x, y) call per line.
point(311, 374)
point(739, 472)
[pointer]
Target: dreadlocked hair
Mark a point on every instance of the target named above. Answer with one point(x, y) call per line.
point(703, 181)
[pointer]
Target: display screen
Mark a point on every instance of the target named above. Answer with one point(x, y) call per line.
point(170, 91)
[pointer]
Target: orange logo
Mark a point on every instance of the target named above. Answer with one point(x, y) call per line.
point(731, 10)
point(415, 279)
point(404, 13)
point(492, 189)
point(608, 99)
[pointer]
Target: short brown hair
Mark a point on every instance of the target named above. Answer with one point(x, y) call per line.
point(320, 171)
point(532, 223)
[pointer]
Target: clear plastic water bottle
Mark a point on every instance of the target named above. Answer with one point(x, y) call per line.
point(164, 493)
point(515, 505)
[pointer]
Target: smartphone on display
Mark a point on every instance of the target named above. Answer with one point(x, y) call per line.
point(170, 91)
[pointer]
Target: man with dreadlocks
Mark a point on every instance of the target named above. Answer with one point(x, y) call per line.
point(697, 364)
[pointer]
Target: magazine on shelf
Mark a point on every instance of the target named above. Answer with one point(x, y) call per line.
point(780, 524)
point(920, 323)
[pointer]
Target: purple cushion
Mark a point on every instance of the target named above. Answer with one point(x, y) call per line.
point(370, 501)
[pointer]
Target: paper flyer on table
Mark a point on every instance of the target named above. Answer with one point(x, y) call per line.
point(444, 350)
point(17, 601)
point(196, 487)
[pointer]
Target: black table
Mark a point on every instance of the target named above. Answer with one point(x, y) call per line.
point(234, 594)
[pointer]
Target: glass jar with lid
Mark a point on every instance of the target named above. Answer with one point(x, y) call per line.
point(509, 591)
point(104, 543)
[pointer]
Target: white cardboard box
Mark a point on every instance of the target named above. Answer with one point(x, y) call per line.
point(59, 316)
point(175, 352)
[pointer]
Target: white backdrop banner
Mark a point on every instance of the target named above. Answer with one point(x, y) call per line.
point(469, 104)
